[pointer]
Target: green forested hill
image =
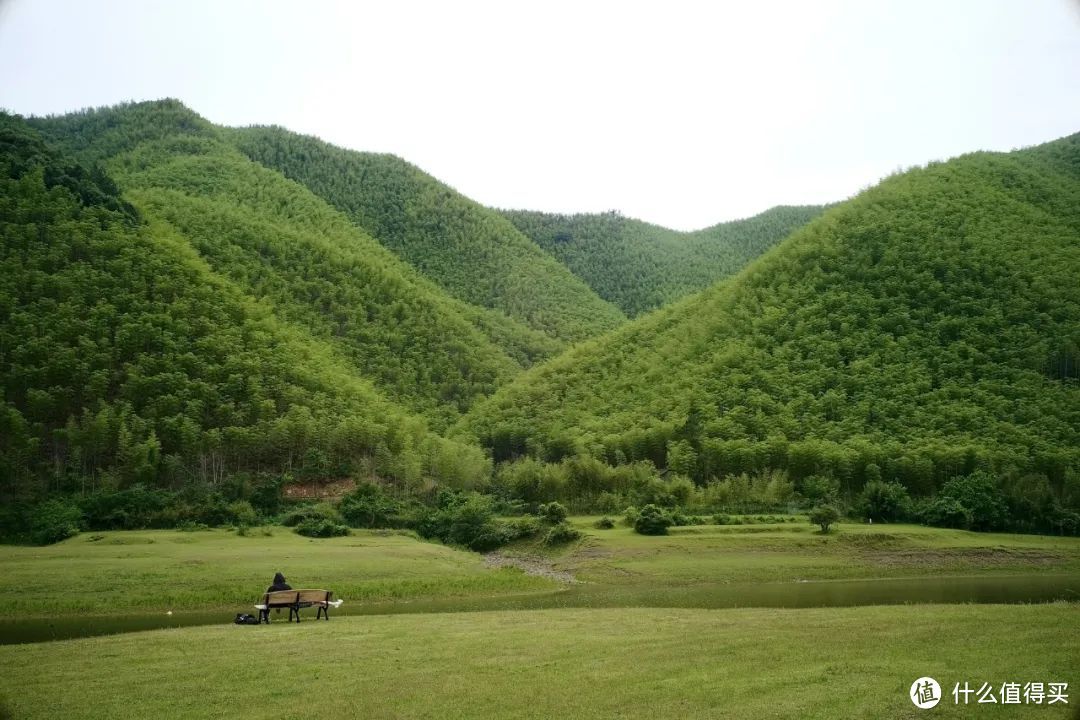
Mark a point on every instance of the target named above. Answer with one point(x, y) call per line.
point(928, 327)
point(173, 308)
point(126, 358)
point(471, 251)
point(639, 266)
point(279, 243)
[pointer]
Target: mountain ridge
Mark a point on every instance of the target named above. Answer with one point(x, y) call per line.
point(467, 249)
point(640, 266)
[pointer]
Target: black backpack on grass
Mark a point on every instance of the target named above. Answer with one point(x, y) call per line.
point(245, 619)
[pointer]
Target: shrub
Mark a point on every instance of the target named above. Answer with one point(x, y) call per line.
point(630, 516)
point(946, 512)
point(494, 533)
point(604, 523)
point(679, 519)
point(469, 520)
point(489, 537)
point(552, 512)
point(885, 502)
point(824, 516)
point(189, 526)
point(721, 519)
point(652, 521)
point(320, 528)
point(368, 506)
point(303, 513)
point(522, 527)
point(208, 508)
point(243, 514)
point(130, 509)
point(464, 519)
point(980, 495)
point(53, 521)
point(560, 534)
point(1067, 522)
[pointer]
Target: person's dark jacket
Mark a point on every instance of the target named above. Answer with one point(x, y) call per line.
point(279, 584)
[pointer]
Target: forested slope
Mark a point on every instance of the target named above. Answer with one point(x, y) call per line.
point(929, 327)
point(125, 358)
point(639, 266)
point(281, 244)
point(471, 251)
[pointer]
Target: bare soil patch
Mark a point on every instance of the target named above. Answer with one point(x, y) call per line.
point(530, 565)
point(323, 490)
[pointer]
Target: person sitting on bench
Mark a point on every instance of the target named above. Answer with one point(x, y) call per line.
point(279, 584)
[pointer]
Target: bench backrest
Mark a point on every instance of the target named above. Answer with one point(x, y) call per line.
point(315, 595)
point(292, 597)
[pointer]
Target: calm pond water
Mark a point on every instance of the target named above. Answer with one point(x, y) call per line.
point(833, 593)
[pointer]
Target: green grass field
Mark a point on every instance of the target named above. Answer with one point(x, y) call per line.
point(631, 663)
point(613, 645)
point(160, 570)
point(793, 552)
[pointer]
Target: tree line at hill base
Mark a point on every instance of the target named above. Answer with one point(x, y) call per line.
point(506, 509)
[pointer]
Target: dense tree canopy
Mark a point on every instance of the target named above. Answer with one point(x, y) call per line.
point(927, 328)
point(472, 252)
point(279, 243)
point(641, 267)
point(125, 358)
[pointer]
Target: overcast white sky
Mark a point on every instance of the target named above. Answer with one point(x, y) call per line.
point(679, 113)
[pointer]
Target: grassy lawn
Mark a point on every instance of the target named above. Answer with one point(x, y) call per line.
point(796, 551)
point(627, 640)
point(647, 663)
point(158, 570)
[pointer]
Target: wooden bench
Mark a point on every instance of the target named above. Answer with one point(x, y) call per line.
point(294, 600)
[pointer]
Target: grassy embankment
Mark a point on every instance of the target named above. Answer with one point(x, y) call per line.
point(151, 571)
point(795, 552)
point(159, 570)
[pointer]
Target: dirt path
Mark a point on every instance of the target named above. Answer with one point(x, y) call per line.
point(531, 565)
